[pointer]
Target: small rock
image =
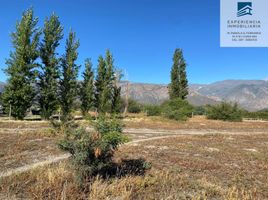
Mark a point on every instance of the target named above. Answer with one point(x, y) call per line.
point(210, 149)
point(251, 150)
point(150, 147)
point(163, 148)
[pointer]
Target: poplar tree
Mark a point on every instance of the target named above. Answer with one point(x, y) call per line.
point(69, 73)
point(183, 78)
point(110, 83)
point(87, 88)
point(116, 93)
point(106, 84)
point(174, 86)
point(21, 66)
point(49, 75)
point(178, 88)
point(116, 100)
point(100, 84)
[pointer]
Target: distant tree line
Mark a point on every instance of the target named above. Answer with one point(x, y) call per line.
point(37, 73)
point(53, 81)
point(225, 111)
point(261, 114)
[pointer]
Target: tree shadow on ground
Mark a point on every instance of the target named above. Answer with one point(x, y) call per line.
point(126, 167)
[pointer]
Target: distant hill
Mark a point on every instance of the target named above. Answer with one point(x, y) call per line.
point(249, 94)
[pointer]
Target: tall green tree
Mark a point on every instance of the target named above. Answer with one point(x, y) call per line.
point(87, 88)
point(116, 100)
point(112, 78)
point(105, 84)
point(69, 73)
point(49, 75)
point(116, 93)
point(174, 86)
point(183, 78)
point(100, 85)
point(21, 66)
point(178, 88)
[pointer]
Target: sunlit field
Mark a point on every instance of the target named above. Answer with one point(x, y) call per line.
point(165, 159)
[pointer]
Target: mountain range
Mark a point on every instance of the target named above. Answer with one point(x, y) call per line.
point(249, 94)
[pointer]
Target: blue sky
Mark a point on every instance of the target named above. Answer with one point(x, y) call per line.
point(142, 35)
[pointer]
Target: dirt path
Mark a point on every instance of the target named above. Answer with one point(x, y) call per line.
point(137, 135)
point(55, 159)
point(50, 160)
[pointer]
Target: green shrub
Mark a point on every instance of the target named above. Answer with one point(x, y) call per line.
point(262, 114)
point(93, 151)
point(225, 111)
point(134, 106)
point(105, 125)
point(153, 110)
point(177, 109)
point(200, 110)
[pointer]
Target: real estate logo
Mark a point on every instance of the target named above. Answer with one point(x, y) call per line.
point(244, 23)
point(244, 8)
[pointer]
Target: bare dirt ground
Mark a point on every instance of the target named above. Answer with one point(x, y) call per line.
point(21, 146)
point(24, 144)
point(217, 154)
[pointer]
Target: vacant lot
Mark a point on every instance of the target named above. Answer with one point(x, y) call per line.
point(215, 160)
point(198, 122)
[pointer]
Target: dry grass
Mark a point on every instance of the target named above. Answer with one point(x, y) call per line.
point(57, 182)
point(186, 167)
point(198, 122)
point(22, 146)
point(214, 166)
point(23, 124)
point(155, 122)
